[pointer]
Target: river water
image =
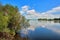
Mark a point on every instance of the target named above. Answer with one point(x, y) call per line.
point(43, 30)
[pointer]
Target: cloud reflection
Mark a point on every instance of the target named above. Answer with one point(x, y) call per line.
point(55, 27)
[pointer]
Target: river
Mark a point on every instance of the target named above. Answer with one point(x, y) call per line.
point(43, 30)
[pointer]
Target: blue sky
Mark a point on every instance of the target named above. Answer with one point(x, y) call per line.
point(36, 7)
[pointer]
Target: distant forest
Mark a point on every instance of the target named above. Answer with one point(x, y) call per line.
point(50, 19)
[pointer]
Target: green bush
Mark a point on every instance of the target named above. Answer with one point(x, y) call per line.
point(11, 20)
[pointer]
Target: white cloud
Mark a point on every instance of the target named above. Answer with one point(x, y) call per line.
point(25, 8)
point(56, 9)
point(32, 14)
point(52, 11)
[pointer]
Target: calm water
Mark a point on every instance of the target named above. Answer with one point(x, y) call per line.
point(42, 30)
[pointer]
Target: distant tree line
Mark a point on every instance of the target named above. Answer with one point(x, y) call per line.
point(56, 18)
point(49, 19)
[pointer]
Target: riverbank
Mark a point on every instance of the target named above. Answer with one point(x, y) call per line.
point(7, 36)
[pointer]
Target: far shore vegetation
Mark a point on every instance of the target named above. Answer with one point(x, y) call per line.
point(49, 19)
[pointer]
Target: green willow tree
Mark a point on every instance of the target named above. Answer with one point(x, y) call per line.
point(10, 19)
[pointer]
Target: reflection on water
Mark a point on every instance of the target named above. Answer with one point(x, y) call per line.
point(52, 25)
point(43, 30)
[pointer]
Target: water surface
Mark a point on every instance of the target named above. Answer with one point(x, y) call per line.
point(41, 30)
